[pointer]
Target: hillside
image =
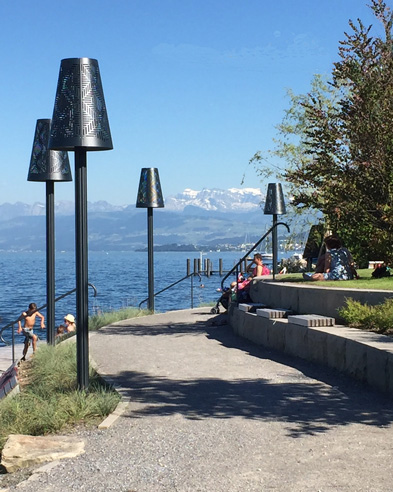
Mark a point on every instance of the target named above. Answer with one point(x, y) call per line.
point(222, 219)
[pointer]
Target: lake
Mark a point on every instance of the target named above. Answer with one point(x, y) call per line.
point(119, 277)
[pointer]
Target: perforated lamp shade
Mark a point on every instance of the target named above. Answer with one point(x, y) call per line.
point(149, 191)
point(274, 204)
point(45, 164)
point(79, 117)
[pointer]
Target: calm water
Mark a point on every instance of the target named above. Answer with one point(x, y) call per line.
point(120, 279)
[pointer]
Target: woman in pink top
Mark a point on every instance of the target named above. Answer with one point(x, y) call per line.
point(259, 269)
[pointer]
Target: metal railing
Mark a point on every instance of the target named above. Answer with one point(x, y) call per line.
point(235, 268)
point(12, 323)
point(189, 275)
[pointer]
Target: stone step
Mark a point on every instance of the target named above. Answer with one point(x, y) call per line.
point(311, 320)
point(250, 306)
point(273, 313)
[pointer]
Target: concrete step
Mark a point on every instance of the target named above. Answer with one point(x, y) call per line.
point(250, 306)
point(311, 320)
point(273, 313)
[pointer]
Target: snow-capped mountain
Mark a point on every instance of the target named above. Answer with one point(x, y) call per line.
point(234, 199)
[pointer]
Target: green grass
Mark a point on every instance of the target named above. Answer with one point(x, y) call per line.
point(103, 318)
point(366, 281)
point(51, 402)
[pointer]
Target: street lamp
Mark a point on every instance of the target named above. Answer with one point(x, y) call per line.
point(274, 205)
point(150, 196)
point(48, 166)
point(80, 123)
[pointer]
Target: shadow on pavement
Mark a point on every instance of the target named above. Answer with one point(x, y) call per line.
point(143, 328)
point(308, 407)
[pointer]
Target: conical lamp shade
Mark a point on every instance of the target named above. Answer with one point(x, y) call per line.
point(79, 116)
point(274, 204)
point(149, 191)
point(45, 164)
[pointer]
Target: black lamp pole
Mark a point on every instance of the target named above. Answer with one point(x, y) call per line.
point(274, 205)
point(150, 196)
point(50, 262)
point(150, 260)
point(80, 123)
point(81, 249)
point(48, 166)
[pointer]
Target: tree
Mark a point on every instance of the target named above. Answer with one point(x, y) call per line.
point(337, 141)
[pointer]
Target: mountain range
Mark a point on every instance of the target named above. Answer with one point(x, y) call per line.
point(212, 218)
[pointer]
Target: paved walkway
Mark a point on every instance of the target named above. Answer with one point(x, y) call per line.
point(6, 355)
point(212, 412)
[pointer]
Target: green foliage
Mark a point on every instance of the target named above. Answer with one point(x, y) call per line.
point(103, 318)
point(377, 318)
point(51, 402)
point(337, 142)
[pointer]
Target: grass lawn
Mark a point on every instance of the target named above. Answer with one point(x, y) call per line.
point(366, 281)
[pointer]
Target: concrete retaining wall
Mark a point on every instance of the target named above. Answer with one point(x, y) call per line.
point(311, 297)
point(365, 356)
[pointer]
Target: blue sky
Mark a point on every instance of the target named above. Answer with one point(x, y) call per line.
point(192, 87)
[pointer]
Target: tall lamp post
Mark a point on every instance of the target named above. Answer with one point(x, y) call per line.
point(48, 166)
point(150, 196)
point(80, 123)
point(274, 205)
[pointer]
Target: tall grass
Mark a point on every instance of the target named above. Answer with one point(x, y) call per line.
point(51, 401)
point(103, 318)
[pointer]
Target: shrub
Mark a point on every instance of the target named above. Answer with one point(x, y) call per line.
point(377, 318)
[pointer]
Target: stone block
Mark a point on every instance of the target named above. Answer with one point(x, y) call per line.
point(22, 451)
point(272, 313)
point(311, 320)
point(250, 306)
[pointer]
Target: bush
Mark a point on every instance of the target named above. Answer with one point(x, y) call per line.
point(377, 318)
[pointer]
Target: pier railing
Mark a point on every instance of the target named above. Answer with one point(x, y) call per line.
point(13, 323)
point(235, 268)
point(189, 275)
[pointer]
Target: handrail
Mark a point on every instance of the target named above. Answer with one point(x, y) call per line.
point(192, 274)
point(235, 267)
point(12, 323)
